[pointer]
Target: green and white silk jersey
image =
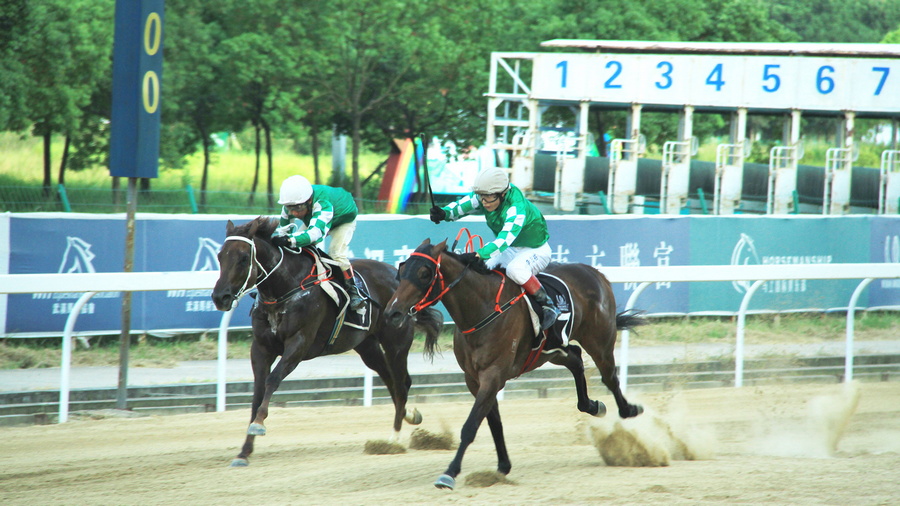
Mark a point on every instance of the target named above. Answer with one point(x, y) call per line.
point(516, 222)
point(331, 207)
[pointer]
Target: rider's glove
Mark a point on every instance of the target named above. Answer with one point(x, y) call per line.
point(438, 214)
point(281, 240)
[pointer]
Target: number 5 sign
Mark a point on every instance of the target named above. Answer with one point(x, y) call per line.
point(715, 80)
point(137, 78)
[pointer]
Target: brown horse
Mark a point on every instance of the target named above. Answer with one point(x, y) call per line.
point(492, 353)
point(294, 317)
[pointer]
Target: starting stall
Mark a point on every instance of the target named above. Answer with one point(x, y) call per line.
point(539, 105)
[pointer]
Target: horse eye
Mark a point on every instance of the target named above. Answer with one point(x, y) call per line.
point(425, 274)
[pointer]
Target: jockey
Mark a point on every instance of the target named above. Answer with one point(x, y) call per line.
point(311, 212)
point(521, 233)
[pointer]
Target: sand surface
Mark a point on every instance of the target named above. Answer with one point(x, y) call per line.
point(789, 444)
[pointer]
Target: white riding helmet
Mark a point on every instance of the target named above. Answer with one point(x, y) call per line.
point(492, 180)
point(295, 190)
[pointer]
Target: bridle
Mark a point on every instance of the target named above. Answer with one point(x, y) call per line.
point(424, 302)
point(253, 261)
point(435, 279)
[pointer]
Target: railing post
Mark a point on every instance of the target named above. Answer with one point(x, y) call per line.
point(739, 345)
point(65, 365)
point(623, 366)
point(848, 345)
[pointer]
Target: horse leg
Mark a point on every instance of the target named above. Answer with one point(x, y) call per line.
point(261, 361)
point(485, 400)
point(607, 367)
point(573, 362)
point(393, 373)
point(496, 426)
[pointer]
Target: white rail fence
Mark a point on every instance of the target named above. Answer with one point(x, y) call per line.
point(92, 284)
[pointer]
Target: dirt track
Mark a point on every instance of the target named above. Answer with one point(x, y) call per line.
point(757, 445)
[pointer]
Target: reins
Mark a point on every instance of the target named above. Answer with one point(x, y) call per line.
point(439, 276)
point(312, 279)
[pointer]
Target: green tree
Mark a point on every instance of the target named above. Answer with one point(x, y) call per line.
point(264, 71)
point(13, 35)
point(194, 85)
point(64, 54)
point(837, 20)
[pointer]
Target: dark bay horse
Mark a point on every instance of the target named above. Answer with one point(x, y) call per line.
point(293, 317)
point(492, 354)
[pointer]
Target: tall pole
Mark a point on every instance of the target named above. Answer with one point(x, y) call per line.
point(125, 336)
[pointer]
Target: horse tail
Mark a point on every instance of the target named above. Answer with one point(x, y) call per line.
point(631, 318)
point(430, 321)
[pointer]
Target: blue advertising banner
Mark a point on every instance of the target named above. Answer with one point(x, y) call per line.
point(776, 240)
point(70, 242)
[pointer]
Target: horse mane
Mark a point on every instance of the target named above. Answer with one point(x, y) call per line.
point(265, 226)
point(476, 265)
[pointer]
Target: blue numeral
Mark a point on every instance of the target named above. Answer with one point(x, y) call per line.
point(715, 78)
point(884, 74)
point(666, 75)
point(618, 67)
point(824, 84)
point(564, 66)
point(767, 75)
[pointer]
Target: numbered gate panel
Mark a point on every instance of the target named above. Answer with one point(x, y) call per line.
point(762, 82)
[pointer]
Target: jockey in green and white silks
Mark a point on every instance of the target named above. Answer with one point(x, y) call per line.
point(520, 229)
point(309, 213)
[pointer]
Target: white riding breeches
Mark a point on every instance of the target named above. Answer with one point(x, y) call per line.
point(522, 263)
point(340, 243)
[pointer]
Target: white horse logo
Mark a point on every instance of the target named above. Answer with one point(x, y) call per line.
point(744, 253)
point(206, 258)
point(78, 257)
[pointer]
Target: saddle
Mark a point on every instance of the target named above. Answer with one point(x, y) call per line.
point(556, 336)
point(322, 274)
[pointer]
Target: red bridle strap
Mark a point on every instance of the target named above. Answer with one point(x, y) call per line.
point(438, 275)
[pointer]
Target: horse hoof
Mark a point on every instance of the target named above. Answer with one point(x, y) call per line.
point(445, 482)
point(631, 411)
point(256, 429)
point(413, 417)
point(239, 462)
point(601, 410)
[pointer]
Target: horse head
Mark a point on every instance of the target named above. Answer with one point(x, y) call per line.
point(243, 255)
point(420, 276)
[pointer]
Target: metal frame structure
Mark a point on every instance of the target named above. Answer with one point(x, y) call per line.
point(524, 85)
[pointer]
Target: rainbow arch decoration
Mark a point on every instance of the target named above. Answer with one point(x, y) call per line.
point(400, 174)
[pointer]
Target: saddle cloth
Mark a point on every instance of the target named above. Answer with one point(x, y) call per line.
point(559, 334)
point(361, 318)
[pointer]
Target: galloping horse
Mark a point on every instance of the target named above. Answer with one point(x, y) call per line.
point(295, 317)
point(491, 352)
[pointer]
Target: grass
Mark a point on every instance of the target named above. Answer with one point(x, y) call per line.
point(149, 351)
point(230, 178)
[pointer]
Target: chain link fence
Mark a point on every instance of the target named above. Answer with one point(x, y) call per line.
point(22, 199)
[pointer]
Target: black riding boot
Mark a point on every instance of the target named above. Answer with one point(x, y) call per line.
point(549, 309)
point(356, 299)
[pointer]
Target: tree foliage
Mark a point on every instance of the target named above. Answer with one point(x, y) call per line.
point(372, 69)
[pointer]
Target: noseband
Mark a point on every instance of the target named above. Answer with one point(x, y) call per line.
point(253, 260)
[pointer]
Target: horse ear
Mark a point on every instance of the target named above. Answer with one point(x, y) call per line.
point(229, 228)
point(253, 226)
point(439, 247)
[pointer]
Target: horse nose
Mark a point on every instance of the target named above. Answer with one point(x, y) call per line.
point(393, 315)
point(222, 299)
point(396, 318)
